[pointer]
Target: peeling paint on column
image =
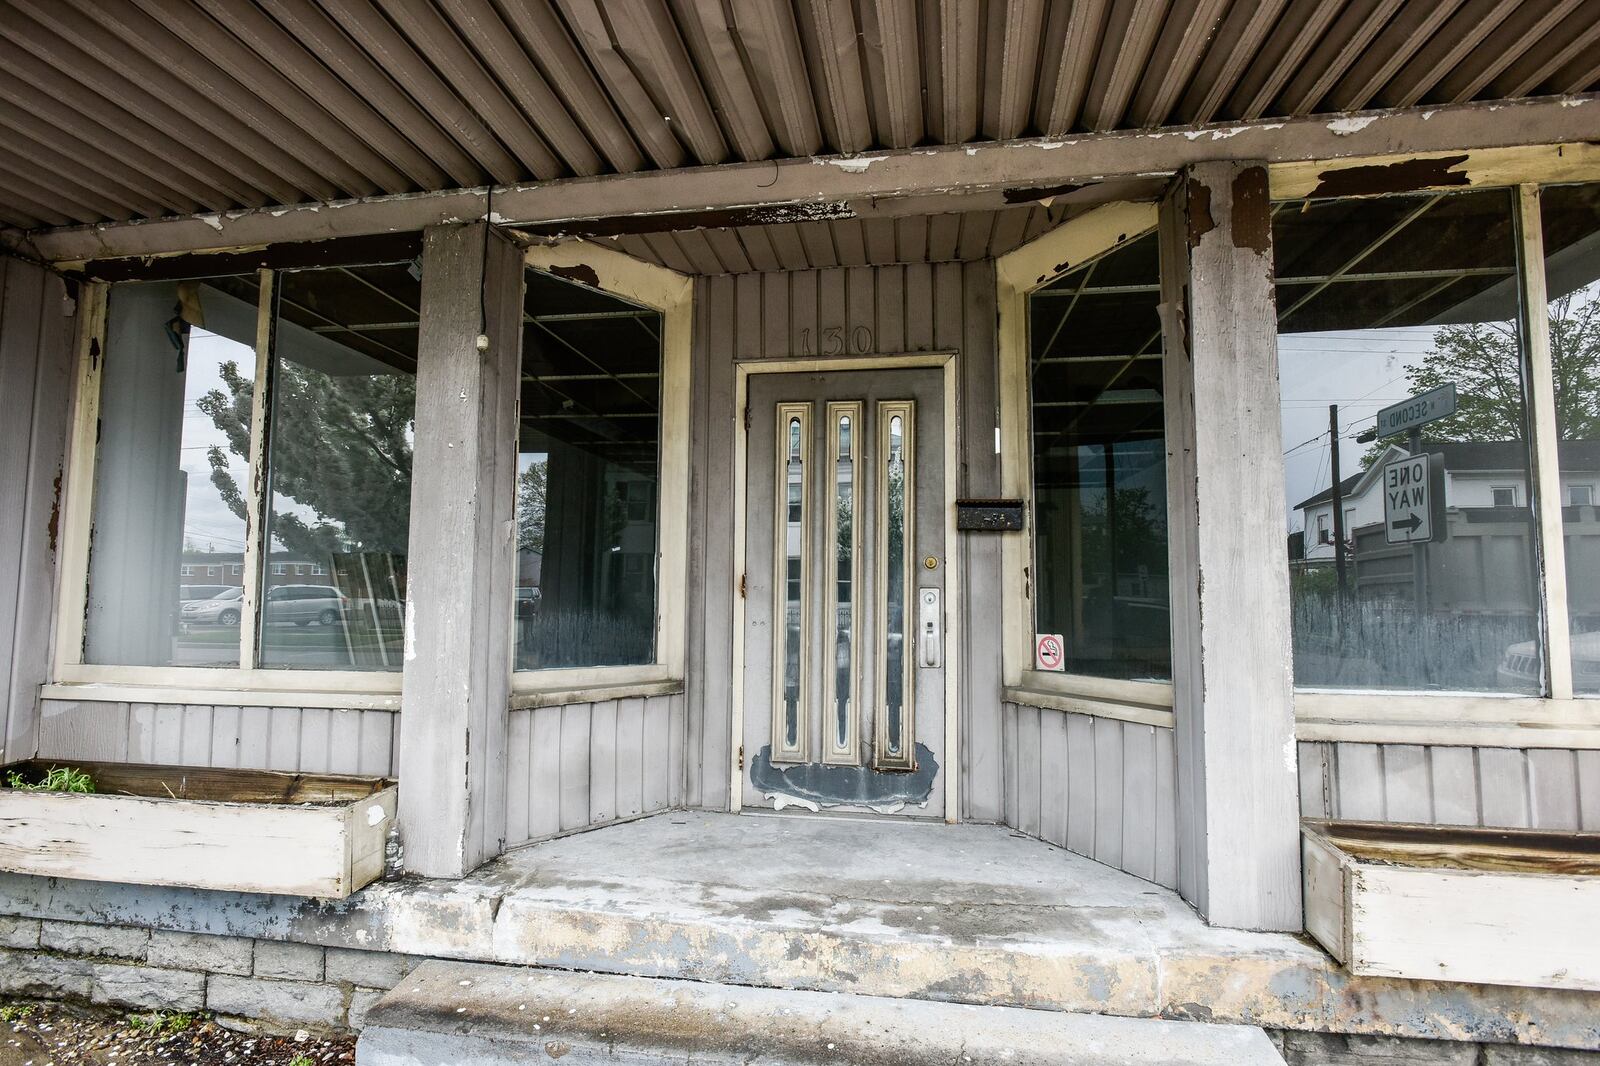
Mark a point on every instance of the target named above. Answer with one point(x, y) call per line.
point(1252, 214)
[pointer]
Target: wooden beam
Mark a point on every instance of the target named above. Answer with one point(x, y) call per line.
point(1238, 834)
point(461, 568)
point(798, 189)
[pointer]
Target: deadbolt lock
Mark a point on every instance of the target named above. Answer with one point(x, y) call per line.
point(931, 563)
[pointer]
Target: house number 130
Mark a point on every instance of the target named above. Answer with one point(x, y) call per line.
point(833, 341)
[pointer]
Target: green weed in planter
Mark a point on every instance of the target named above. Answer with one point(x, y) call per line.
point(57, 779)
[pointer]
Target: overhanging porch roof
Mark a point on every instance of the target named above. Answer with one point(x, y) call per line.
point(172, 108)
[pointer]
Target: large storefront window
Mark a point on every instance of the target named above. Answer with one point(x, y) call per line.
point(588, 475)
point(1411, 546)
point(1571, 224)
point(339, 469)
point(1099, 466)
point(167, 533)
point(182, 426)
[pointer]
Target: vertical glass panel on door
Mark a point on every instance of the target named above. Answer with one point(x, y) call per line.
point(342, 421)
point(169, 523)
point(844, 422)
point(790, 732)
point(896, 434)
point(1571, 216)
point(1411, 552)
point(588, 461)
point(1099, 466)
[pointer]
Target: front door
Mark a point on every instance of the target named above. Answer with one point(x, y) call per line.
point(844, 679)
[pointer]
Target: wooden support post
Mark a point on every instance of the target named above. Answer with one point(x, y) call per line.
point(459, 598)
point(1238, 818)
point(36, 335)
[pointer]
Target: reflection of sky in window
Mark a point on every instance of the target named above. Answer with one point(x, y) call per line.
point(1363, 371)
point(208, 524)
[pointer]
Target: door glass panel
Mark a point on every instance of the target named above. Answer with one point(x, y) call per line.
point(893, 734)
point(844, 420)
point(790, 732)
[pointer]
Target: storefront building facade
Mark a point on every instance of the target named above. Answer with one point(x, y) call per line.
point(946, 422)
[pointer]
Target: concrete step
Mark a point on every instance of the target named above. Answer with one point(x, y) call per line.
point(472, 1014)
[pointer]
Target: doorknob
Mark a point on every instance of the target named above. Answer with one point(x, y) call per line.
point(930, 629)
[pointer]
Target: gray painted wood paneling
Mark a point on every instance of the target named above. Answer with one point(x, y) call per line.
point(1539, 788)
point(1095, 786)
point(304, 739)
point(589, 764)
point(36, 330)
point(909, 308)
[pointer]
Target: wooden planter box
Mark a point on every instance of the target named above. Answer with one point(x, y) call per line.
point(1451, 903)
point(239, 830)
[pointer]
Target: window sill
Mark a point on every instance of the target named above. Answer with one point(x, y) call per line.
point(1140, 702)
point(219, 694)
point(1447, 719)
point(555, 688)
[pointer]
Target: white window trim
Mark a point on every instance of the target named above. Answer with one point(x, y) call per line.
point(1017, 274)
point(672, 294)
point(178, 684)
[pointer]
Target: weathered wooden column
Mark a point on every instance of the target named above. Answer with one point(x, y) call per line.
point(1238, 817)
point(459, 598)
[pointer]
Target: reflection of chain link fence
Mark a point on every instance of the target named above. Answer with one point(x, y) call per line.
point(553, 639)
point(1386, 645)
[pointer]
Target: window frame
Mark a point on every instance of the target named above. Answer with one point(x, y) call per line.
point(1018, 274)
point(246, 683)
point(672, 295)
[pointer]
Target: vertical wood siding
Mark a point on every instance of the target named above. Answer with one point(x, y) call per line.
point(910, 308)
point(1539, 788)
point(588, 764)
point(305, 739)
point(1098, 787)
point(36, 330)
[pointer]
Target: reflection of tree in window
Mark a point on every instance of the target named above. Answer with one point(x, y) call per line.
point(339, 456)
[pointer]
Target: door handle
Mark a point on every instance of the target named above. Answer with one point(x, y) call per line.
point(930, 629)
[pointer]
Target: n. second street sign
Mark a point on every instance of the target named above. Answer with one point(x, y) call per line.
point(1420, 409)
point(1407, 500)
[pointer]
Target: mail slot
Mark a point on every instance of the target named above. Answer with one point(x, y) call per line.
point(989, 516)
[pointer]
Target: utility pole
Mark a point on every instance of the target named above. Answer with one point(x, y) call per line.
point(1419, 552)
point(1338, 507)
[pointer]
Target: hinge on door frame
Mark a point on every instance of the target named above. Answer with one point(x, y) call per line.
point(741, 756)
point(741, 586)
point(747, 418)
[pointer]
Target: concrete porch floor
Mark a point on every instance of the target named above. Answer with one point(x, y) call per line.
point(971, 914)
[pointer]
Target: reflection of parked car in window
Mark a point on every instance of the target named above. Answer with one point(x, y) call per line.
point(1520, 665)
point(304, 604)
point(186, 593)
point(222, 609)
point(527, 601)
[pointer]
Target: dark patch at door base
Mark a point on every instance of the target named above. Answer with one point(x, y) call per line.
point(833, 786)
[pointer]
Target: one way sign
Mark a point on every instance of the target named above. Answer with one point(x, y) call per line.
point(1408, 500)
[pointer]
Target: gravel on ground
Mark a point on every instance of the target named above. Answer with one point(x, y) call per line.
point(49, 1034)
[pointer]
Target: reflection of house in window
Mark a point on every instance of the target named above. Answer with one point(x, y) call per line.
point(1580, 495)
point(1488, 531)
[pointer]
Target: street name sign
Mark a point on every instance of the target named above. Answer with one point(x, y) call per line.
point(1408, 500)
point(1420, 409)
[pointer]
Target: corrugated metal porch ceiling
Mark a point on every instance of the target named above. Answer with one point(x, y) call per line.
point(144, 108)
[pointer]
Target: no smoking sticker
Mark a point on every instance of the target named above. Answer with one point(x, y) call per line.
point(1049, 652)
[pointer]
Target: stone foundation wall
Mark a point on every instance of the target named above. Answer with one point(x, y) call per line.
point(246, 983)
